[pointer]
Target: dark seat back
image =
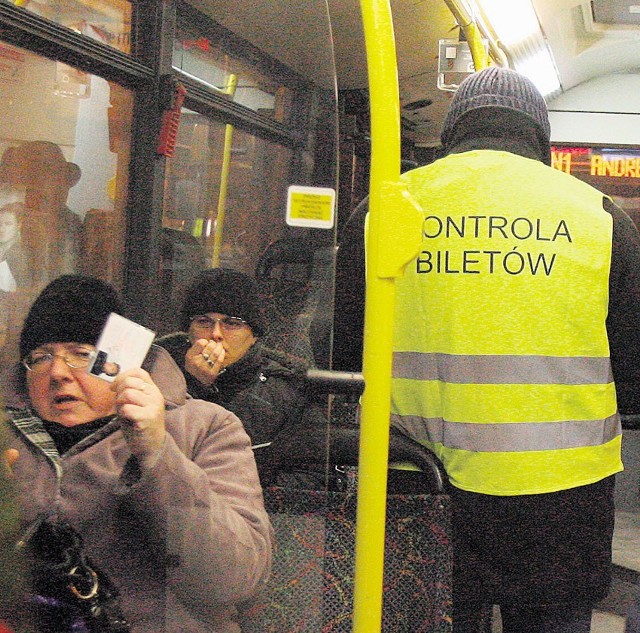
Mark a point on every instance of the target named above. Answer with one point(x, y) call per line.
point(311, 590)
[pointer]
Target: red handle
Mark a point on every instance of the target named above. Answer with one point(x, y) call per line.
point(171, 123)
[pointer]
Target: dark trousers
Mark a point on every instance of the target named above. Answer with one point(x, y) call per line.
point(553, 619)
point(544, 559)
point(632, 624)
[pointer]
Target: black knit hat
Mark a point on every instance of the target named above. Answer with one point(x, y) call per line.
point(72, 308)
point(497, 87)
point(224, 291)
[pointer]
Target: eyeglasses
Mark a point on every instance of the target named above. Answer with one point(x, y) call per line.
point(227, 323)
point(40, 362)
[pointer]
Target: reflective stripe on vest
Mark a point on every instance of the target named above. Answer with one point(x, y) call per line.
point(501, 358)
point(502, 369)
point(523, 436)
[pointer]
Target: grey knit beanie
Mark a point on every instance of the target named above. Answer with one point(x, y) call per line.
point(497, 87)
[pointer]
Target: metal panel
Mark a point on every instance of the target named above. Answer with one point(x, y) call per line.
point(616, 12)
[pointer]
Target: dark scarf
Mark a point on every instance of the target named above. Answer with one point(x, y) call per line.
point(64, 437)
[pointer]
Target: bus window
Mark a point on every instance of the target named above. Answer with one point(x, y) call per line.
point(269, 122)
point(106, 21)
point(64, 159)
point(253, 213)
point(196, 54)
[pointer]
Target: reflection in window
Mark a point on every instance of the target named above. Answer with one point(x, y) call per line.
point(251, 216)
point(198, 56)
point(64, 158)
point(245, 230)
point(106, 21)
point(11, 260)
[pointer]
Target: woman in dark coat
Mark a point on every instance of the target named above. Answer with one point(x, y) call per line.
point(223, 360)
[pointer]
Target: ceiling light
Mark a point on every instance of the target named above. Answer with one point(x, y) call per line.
point(517, 29)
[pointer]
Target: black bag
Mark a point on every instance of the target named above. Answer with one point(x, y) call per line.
point(67, 591)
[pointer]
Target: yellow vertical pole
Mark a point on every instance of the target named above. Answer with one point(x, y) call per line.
point(230, 89)
point(392, 239)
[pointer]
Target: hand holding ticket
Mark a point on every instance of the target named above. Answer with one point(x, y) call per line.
point(122, 345)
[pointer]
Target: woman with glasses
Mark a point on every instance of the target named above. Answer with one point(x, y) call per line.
point(160, 489)
point(220, 353)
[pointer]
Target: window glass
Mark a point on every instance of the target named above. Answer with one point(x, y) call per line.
point(246, 230)
point(256, 181)
point(107, 21)
point(64, 156)
point(198, 56)
point(226, 188)
point(203, 228)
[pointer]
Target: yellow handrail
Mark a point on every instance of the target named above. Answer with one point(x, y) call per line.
point(393, 238)
point(474, 34)
point(230, 89)
point(478, 53)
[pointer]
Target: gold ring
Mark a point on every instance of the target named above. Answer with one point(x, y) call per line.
point(143, 386)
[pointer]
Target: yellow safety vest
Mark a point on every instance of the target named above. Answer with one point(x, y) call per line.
point(501, 358)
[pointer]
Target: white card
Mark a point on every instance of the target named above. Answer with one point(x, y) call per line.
point(122, 345)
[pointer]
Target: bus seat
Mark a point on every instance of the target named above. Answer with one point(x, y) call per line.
point(311, 588)
point(339, 443)
point(294, 275)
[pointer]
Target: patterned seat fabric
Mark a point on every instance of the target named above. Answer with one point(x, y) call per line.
point(311, 590)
